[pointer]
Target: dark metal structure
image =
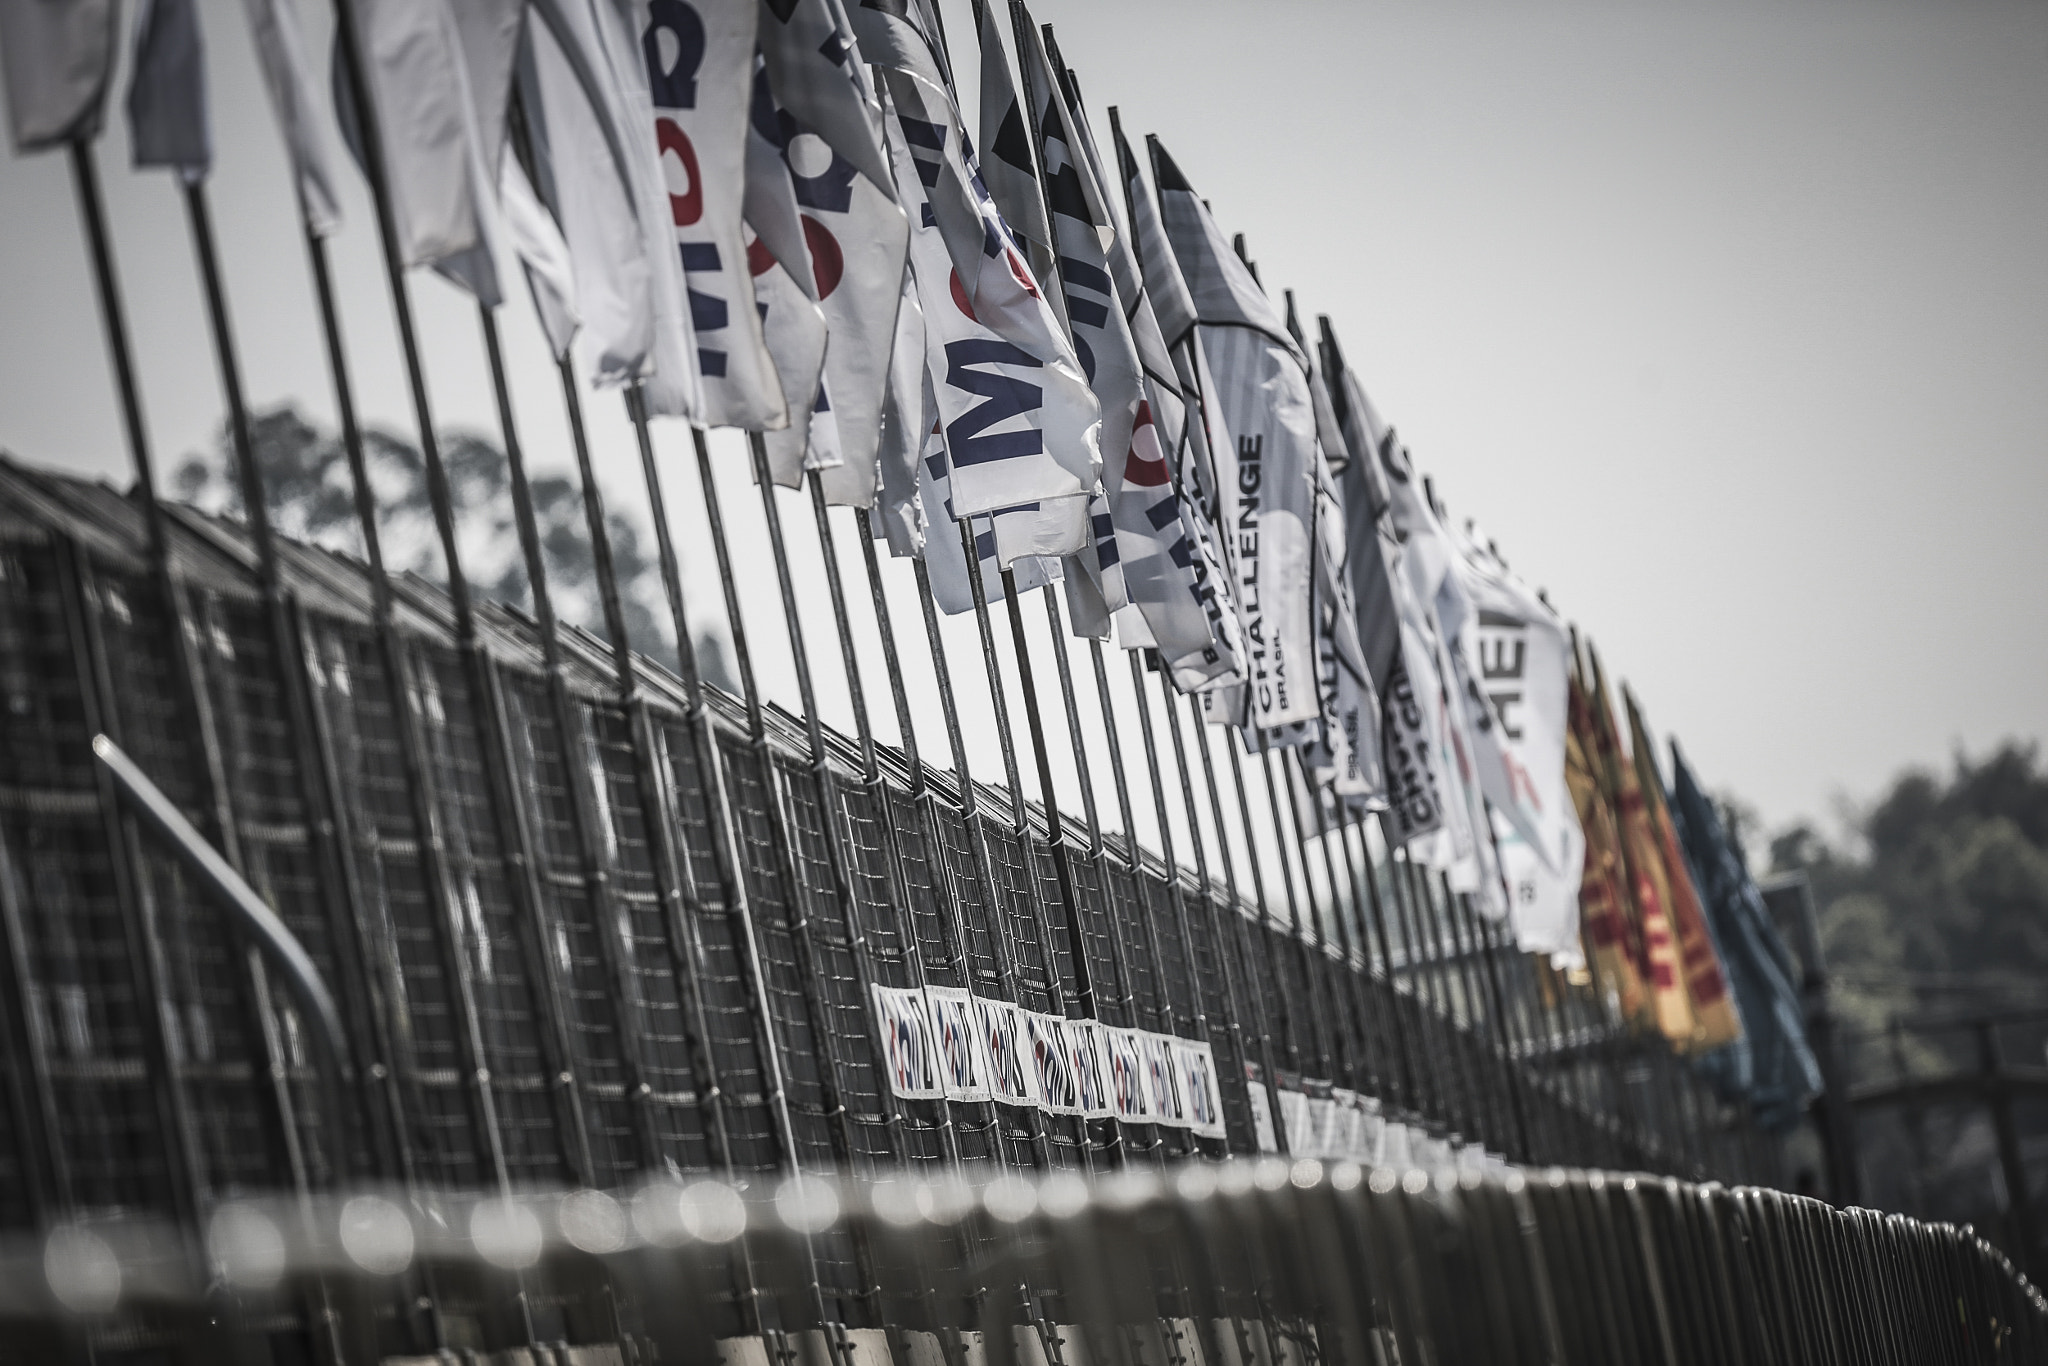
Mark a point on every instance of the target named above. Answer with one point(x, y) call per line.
point(551, 970)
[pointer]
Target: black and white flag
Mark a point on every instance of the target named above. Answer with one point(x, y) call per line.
point(1267, 477)
point(1019, 422)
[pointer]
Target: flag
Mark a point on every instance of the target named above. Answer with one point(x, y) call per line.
point(817, 71)
point(700, 59)
point(908, 412)
point(1020, 422)
point(1611, 936)
point(57, 59)
point(1772, 1062)
point(785, 284)
point(167, 117)
point(412, 58)
point(944, 555)
point(851, 221)
point(1204, 644)
point(1522, 657)
point(1082, 226)
point(550, 273)
point(1007, 167)
point(1267, 478)
point(274, 26)
point(488, 33)
point(597, 119)
point(1644, 885)
point(1715, 1022)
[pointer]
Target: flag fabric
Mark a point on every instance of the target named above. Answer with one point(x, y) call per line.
point(1521, 654)
point(275, 27)
point(826, 125)
point(1715, 1022)
point(1203, 645)
point(785, 286)
point(817, 70)
point(1266, 478)
point(945, 555)
point(597, 120)
point(58, 59)
point(1006, 166)
point(908, 412)
point(1612, 937)
point(488, 33)
point(1020, 424)
point(1644, 885)
point(1082, 225)
point(412, 57)
point(1772, 1063)
point(543, 255)
point(700, 59)
point(167, 115)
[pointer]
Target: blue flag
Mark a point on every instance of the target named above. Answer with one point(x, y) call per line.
point(1772, 1064)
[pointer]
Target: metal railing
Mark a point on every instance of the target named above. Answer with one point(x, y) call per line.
point(1266, 1261)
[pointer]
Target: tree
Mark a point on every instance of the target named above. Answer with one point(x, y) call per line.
point(1946, 899)
point(306, 478)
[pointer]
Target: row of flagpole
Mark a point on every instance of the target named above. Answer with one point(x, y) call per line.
point(1451, 957)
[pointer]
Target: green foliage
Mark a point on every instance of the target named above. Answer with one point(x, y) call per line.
point(312, 498)
point(1944, 906)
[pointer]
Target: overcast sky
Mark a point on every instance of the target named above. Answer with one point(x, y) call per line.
point(1728, 322)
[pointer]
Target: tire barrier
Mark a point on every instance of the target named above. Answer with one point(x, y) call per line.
point(1260, 1261)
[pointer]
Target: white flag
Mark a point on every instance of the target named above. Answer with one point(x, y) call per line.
point(1267, 478)
point(857, 238)
point(944, 555)
point(1006, 166)
point(1082, 224)
point(550, 273)
point(701, 62)
point(57, 59)
point(167, 115)
point(1020, 423)
point(301, 113)
point(598, 124)
point(412, 56)
point(816, 70)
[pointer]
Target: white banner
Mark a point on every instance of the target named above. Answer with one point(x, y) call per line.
point(962, 1061)
point(907, 1053)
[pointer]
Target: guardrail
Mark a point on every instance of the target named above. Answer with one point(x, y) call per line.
point(1259, 1262)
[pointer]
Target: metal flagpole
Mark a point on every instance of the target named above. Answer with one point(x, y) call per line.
point(1319, 1019)
point(1403, 1092)
point(1270, 1076)
point(993, 893)
point(1097, 853)
point(1123, 951)
point(877, 792)
point(449, 932)
point(590, 871)
point(783, 853)
point(337, 892)
point(1356, 967)
point(721, 824)
point(950, 912)
point(838, 857)
point(1291, 1021)
point(1233, 998)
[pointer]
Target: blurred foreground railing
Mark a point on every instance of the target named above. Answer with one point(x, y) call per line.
point(1255, 1261)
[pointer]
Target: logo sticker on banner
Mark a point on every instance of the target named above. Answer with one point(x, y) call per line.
point(1123, 1065)
point(962, 1062)
point(1084, 1058)
point(1162, 1081)
point(996, 1033)
point(1049, 1058)
point(1195, 1068)
point(907, 1049)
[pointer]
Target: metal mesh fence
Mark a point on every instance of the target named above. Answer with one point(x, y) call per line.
point(588, 938)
